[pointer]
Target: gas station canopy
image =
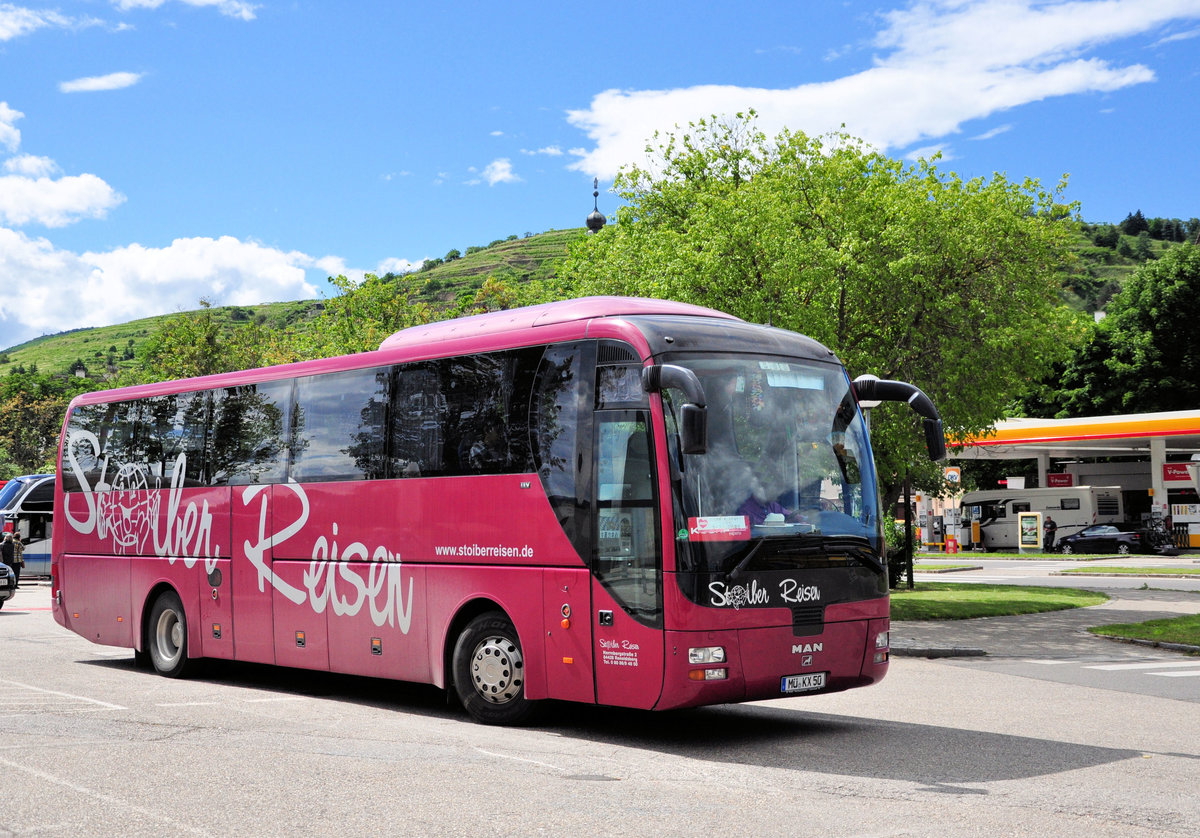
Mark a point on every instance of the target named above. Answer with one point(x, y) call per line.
point(1173, 435)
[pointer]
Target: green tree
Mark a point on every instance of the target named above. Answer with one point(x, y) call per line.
point(362, 315)
point(1106, 235)
point(1134, 223)
point(196, 343)
point(1145, 355)
point(905, 272)
point(1142, 250)
point(32, 407)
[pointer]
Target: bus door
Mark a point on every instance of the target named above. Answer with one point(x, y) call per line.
point(252, 575)
point(626, 563)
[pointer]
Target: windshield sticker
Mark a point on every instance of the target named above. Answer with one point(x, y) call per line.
point(719, 528)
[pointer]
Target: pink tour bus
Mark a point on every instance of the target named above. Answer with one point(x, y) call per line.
point(609, 500)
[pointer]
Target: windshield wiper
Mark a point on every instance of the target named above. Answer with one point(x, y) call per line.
point(812, 544)
point(853, 546)
point(733, 574)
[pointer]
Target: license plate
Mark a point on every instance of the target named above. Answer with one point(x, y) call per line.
point(803, 683)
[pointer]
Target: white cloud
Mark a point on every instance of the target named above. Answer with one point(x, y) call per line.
point(549, 151)
point(500, 171)
point(395, 265)
point(995, 132)
point(10, 135)
point(229, 8)
point(29, 165)
point(1179, 36)
point(16, 21)
point(135, 281)
point(112, 81)
point(927, 153)
point(944, 63)
point(54, 203)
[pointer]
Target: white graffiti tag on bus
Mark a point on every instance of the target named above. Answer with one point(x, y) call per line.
point(128, 509)
point(383, 572)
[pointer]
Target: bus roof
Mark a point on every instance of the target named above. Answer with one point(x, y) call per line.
point(563, 311)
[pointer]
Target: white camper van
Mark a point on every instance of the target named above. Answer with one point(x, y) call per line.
point(989, 517)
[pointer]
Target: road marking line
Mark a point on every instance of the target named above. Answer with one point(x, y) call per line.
point(107, 798)
point(1115, 667)
point(1195, 673)
point(64, 695)
point(189, 704)
point(519, 759)
point(279, 698)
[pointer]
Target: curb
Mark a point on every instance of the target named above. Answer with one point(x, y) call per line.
point(1153, 644)
point(903, 651)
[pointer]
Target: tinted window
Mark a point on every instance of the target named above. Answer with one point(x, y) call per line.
point(419, 420)
point(627, 551)
point(173, 429)
point(468, 415)
point(249, 433)
point(41, 498)
point(560, 413)
point(340, 426)
point(115, 447)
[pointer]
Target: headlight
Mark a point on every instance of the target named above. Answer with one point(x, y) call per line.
point(706, 654)
point(881, 640)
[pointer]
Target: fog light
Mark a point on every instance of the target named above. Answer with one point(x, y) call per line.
point(881, 657)
point(881, 640)
point(708, 674)
point(706, 654)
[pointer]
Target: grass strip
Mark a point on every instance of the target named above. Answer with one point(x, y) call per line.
point(964, 600)
point(1134, 571)
point(1183, 630)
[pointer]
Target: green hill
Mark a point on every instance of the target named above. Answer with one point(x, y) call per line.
point(109, 348)
point(1088, 284)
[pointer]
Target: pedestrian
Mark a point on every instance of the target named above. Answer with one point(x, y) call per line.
point(7, 551)
point(1049, 530)
point(18, 557)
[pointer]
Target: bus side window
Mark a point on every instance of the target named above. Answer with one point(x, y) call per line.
point(340, 426)
point(248, 437)
point(559, 410)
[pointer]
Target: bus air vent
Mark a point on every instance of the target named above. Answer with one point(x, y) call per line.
point(615, 352)
point(808, 620)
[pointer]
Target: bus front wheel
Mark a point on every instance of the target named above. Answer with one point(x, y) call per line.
point(489, 671)
point(166, 635)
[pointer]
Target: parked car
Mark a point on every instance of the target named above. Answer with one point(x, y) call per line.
point(8, 584)
point(1102, 538)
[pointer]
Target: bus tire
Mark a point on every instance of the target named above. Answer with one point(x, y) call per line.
point(489, 671)
point(166, 636)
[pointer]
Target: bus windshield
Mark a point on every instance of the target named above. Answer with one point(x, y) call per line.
point(787, 480)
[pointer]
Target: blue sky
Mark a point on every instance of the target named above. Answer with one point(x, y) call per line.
point(153, 152)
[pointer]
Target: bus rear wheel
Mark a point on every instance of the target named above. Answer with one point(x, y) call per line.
point(166, 635)
point(489, 671)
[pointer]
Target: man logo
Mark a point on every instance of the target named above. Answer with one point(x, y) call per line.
point(807, 648)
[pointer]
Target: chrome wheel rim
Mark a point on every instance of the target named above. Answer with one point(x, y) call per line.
point(497, 670)
point(168, 638)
